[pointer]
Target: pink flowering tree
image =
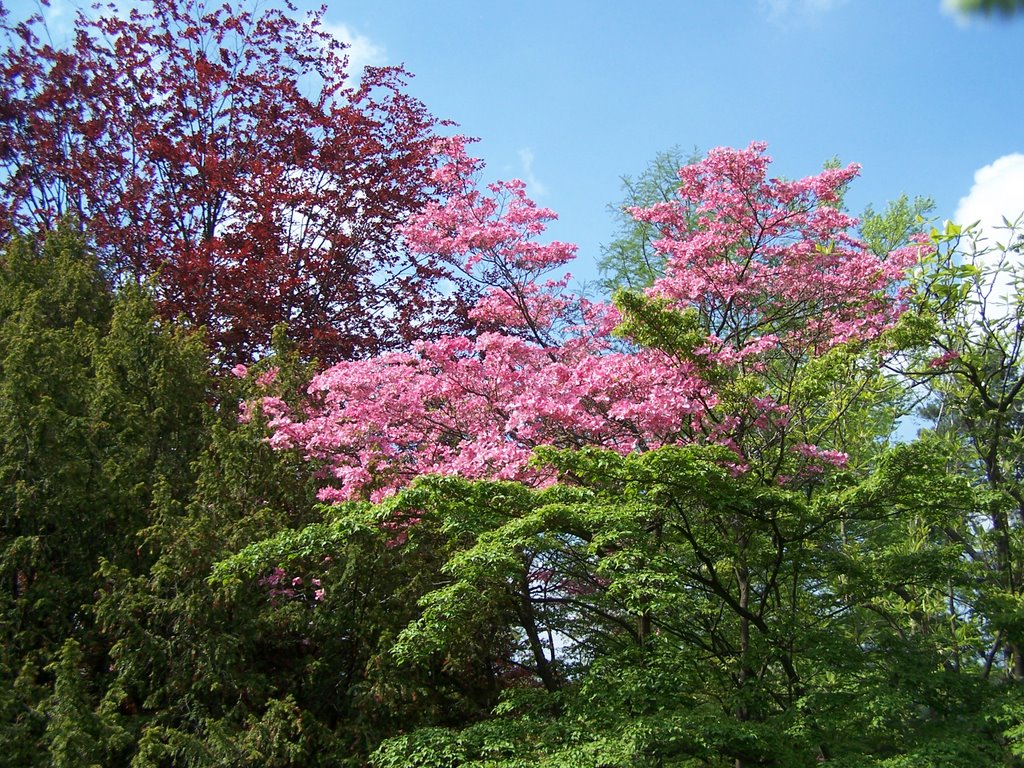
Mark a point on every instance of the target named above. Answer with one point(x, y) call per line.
point(769, 263)
point(604, 477)
point(763, 282)
point(766, 290)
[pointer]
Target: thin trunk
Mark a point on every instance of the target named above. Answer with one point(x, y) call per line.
point(529, 623)
point(643, 628)
point(743, 583)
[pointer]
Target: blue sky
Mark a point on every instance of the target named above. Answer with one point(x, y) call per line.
point(592, 90)
point(570, 95)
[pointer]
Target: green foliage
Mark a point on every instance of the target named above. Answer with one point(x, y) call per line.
point(892, 228)
point(630, 260)
point(203, 676)
point(651, 322)
point(704, 619)
point(100, 406)
point(965, 341)
point(373, 572)
point(172, 593)
point(73, 730)
point(53, 307)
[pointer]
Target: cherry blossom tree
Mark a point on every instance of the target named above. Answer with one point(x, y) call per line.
point(763, 287)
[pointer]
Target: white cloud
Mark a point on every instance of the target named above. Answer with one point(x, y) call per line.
point(536, 186)
point(361, 50)
point(997, 192)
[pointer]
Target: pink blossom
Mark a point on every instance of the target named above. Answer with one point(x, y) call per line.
point(944, 359)
point(770, 272)
point(276, 577)
point(268, 377)
point(244, 413)
point(835, 458)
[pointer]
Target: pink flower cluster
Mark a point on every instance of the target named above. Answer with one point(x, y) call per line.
point(478, 407)
point(768, 265)
point(944, 359)
point(818, 459)
point(279, 585)
point(768, 262)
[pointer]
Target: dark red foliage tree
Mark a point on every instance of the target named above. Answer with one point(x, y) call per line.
point(229, 154)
